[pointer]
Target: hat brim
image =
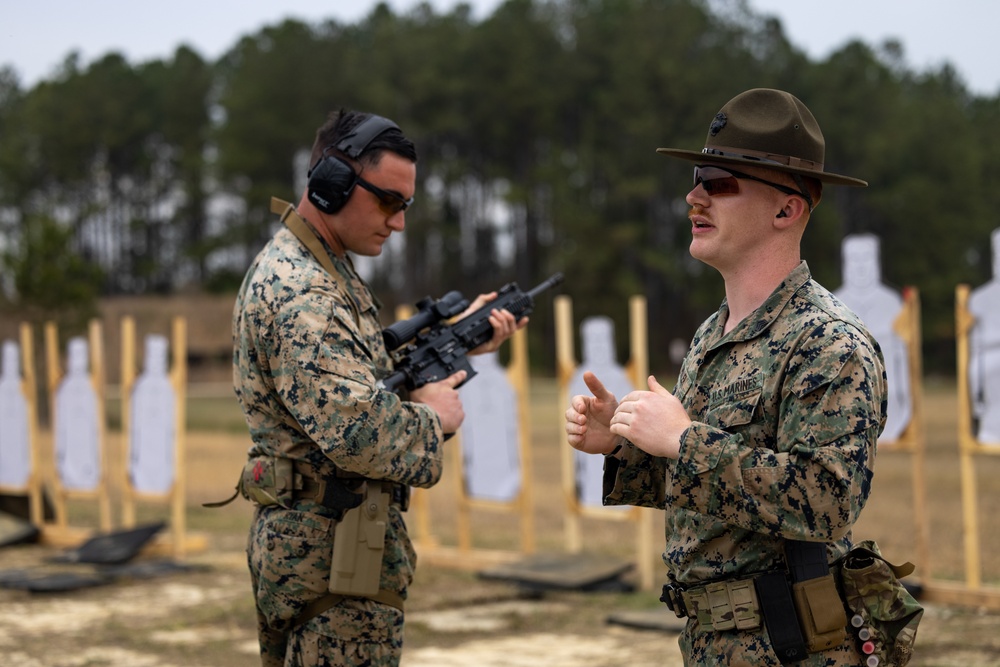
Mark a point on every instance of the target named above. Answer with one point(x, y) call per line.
point(823, 176)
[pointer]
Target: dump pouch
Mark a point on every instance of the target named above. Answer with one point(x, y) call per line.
point(268, 480)
point(359, 543)
point(884, 614)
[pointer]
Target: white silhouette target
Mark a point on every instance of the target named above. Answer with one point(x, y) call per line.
point(879, 306)
point(152, 423)
point(77, 430)
point(15, 447)
point(490, 436)
point(984, 352)
point(598, 343)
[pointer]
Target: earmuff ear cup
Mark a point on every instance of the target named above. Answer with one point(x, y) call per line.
point(330, 184)
point(332, 180)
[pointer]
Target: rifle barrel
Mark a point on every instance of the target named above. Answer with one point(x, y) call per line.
point(552, 281)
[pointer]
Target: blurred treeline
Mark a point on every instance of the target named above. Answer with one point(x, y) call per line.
point(536, 129)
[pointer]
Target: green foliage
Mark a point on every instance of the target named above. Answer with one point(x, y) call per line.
point(52, 281)
point(536, 129)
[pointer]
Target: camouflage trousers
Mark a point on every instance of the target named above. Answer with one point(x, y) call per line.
point(312, 644)
point(752, 648)
point(288, 553)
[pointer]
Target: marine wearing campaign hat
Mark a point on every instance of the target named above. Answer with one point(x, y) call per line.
point(762, 455)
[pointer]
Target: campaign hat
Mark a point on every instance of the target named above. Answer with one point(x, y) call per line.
point(766, 128)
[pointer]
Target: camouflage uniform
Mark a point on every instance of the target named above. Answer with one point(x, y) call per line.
point(308, 352)
point(786, 411)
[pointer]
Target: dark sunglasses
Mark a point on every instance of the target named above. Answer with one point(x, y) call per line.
point(719, 182)
point(389, 203)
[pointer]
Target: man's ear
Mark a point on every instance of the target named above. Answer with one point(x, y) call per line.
point(794, 209)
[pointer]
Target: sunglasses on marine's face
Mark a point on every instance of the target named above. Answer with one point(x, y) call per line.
point(719, 182)
point(389, 203)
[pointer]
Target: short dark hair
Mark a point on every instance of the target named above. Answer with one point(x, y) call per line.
point(341, 123)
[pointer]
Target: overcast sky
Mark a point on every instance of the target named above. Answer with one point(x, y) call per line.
point(36, 35)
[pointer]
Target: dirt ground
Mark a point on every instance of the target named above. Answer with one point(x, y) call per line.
point(201, 615)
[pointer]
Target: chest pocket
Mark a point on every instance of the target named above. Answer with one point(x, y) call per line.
point(736, 416)
point(351, 345)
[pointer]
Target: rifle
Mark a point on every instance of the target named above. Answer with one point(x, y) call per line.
point(439, 349)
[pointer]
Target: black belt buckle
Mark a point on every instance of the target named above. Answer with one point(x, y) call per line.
point(672, 596)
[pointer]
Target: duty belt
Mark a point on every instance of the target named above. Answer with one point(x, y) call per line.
point(335, 494)
point(720, 605)
point(274, 480)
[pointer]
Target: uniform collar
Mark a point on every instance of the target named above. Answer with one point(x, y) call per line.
point(759, 320)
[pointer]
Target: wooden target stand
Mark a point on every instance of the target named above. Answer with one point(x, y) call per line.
point(637, 368)
point(972, 592)
point(34, 485)
point(465, 555)
point(179, 543)
point(60, 532)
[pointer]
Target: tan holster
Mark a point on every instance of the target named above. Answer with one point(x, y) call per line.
point(359, 543)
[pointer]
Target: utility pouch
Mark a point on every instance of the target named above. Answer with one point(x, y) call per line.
point(359, 543)
point(817, 600)
point(268, 480)
point(884, 614)
point(775, 597)
point(821, 613)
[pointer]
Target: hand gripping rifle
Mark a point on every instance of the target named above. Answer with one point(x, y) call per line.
point(436, 349)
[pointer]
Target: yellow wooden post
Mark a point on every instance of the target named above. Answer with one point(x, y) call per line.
point(53, 374)
point(916, 432)
point(967, 445)
point(125, 389)
point(29, 387)
point(565, 366)
point(178, 378)
point(520, 379)
point(638, 367)
point(97, 380)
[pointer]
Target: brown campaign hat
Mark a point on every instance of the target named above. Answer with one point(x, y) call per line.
point(766, 128)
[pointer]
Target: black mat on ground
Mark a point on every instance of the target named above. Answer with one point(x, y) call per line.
point(15, 530)
point(112, 548)
point(660, 620)
point(584, 572)
point(48, 580)
point(99, 561)
point(147, 569)
point(38, 581)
